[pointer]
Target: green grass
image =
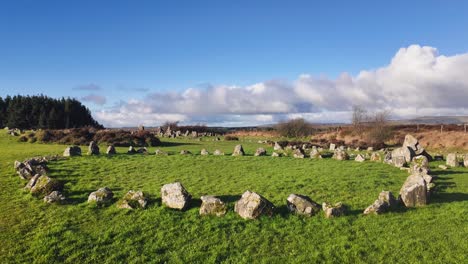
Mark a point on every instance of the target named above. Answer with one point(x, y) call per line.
point(34, 232)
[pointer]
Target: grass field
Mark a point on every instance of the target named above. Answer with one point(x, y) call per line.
point(34, 232)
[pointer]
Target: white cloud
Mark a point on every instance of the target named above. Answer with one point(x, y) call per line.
point(94, 98)
point(418, 81)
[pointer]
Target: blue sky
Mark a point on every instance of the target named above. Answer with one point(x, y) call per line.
point(122, 56)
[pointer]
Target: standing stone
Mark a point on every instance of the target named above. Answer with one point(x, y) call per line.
point(133, 200)
point(315, 154)
point(360, 158)
point(452, 160)
point(302, 205)
point(252, 205)
point(420, 165)
point(238, 151)
point(332, 147)
point(260, 152)
point(277, 147)
point(385, 201)
point(175, 196)
point(333, 211)
point(465, 160)
point(298, 153)
point(54, 197)
point(212, 205)
point(102, 196)
point(93, 148)
point(43, 185)
point(111, 150)
point(340, 155)
point(72, 151)
point(403, 152)
point(414, 191)
point(204, 152)
point(218, 153)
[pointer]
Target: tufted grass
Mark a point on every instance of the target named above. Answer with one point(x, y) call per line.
point(33, 232)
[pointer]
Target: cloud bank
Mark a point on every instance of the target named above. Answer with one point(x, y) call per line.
point(417, 81)
point(95, 99)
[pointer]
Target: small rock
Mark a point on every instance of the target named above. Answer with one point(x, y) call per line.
point(218, 153)
point(143, 150)
point(133, 200)
point(385, 201)
point(275, 154)
point(360, 158)
point(159, 152)
point(102, 196)
point(465, 160)
point(260, 152)
point(315, 154)
point(72, 151)
point(375, 157)
point(174, 195)
point(340, 155)
point(54, 197)
point(204, 152)
point(302, 205)
point(298, 153)
point(277, 147)
point(443, 167)
point(333, 211)
point(212, 205)
point(185, 152)
point(252, 205)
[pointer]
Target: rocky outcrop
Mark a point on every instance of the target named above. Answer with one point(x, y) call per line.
point(252, 205)
point(175, 196)
point(302, 205)
point(212, 205)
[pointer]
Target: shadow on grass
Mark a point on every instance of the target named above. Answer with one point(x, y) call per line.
point(449, 197)
point(229, 198)
point(174, 144)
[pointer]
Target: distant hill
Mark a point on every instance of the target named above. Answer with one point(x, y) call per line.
point(434, 120)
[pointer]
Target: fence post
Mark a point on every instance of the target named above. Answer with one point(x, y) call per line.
point(441, 128)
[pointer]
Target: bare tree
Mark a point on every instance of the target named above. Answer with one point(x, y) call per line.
point(359, 118)
point(294, 128)
point(379, 129)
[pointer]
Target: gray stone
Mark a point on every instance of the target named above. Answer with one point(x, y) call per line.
point(218, 153)
point(102, 196)
point(212, 205)
point(93, 148)
point(385, 201)
point(298, 153)
point(133, 200)
point(333, 211)
point(332, 147)
point(359, 158)
point(420, 165)
point(111, 150)
point(43, 185)
point(54, 197)
point(175, 196)
point(302, 205)
point(72, 151)
point(414, 191)
point(277, 147)
point(398, 161)
point(260, 152)
point(252, 205)
point(315, 154)
point(204, 152)
point(340, 155)
point(275, 154)
point(238, 151)
point(452, 160)
point(159, 152)
point(403, 152)
point(443, 167)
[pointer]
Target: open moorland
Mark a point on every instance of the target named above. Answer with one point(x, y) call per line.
point(32, 231)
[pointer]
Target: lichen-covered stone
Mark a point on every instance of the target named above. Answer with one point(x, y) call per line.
point(175, 196)
point(212, 205)
point(385, 201)
point(315, 154)
point(102, 196)
point(414, 191)
point(44, 185)
point(238, 151)
point(375, 157)
point(252, 205)
point(302, 205)
point(333, 211)
point(54, 197)
point(420, 165)
point(133, 200)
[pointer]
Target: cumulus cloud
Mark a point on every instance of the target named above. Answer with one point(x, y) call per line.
point(417, 81)
point(88, 87)
point(94, 98)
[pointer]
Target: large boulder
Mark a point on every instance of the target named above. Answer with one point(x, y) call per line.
point(30, 167)
point(72, 151)
point(111, 150)
point(260, 152)
point(93, 148)
point(340, 155)
point(333, 210)
point(401, 155)
point(252, 205)
point(238, 151)
point(414, 148)
point(413, 193)
point(54, 197)
point(302, 205)
point(133, 200)
point(102, 196)
point(175, 196)
point(43, 185)
point(212, 205)
point(385, 201)
point(452, 160)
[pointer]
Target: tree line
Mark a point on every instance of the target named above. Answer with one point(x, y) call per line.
point(34, 112)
